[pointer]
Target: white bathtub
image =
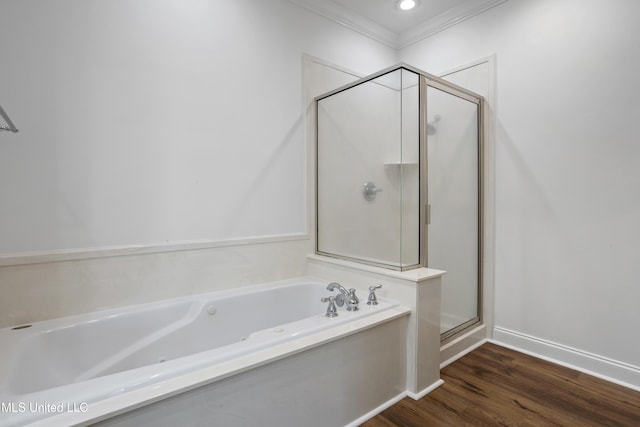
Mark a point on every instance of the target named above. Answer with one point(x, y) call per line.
point(87, 368)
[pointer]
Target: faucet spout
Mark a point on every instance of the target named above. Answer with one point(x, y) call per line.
point(334, 285)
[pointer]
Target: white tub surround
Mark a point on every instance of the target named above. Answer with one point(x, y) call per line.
point(418, 289)
point(68, 288)
point(89, 368)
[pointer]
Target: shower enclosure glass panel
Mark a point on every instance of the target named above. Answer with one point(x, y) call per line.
point(399, 179)
point(453, 194)
point(368, 174)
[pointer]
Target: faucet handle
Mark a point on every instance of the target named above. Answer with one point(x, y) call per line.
point(373, 300)
point(332, 310)
point(340, 297)
point(352, 301)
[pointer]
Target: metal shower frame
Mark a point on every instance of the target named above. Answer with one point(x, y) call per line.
point(425, 80)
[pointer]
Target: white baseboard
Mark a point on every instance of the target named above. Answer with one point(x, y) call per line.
point(419, 395)
point(460, 346)
point(598, 366)
point(389, 403)
point(386, 405)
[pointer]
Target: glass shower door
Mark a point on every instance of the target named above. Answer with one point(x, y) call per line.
point(453, 190)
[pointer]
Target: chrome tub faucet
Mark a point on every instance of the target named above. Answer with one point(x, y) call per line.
point(345, 296)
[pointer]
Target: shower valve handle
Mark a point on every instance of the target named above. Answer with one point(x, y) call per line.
point(369, 191)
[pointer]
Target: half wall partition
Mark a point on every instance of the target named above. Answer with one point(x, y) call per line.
point(399, 179)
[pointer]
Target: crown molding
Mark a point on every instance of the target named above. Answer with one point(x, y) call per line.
point(351, 20)
point(445, 20)
point(345, 17)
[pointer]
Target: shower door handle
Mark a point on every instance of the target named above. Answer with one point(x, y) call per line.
point(369, 191)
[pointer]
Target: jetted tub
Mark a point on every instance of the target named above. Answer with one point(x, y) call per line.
point(58, 372)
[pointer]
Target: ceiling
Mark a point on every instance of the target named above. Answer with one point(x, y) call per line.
point(383, 20)
point(387, 14)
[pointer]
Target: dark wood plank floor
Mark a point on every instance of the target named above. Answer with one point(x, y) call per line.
point(495, 386)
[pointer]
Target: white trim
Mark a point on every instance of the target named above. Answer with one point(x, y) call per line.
point(329, 64)
point(463, 345)
point(598, 366)
point(348, 19)
point(463, 353)
point(358, 23)
point(388, 404)
point(490, 60)
point(415, 276)
point(445, 20)
point(115, 251)
point(419, 395)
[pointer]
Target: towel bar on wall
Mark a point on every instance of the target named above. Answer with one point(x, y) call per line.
point(10, 127)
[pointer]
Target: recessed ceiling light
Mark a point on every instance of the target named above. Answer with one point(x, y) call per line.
point(407, 4)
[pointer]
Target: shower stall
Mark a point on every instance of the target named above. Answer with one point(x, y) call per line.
point(399, 181)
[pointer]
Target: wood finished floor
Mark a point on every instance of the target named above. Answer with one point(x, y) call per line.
point(495, 386)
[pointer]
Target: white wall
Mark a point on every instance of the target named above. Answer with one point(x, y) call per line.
point(567, 237)
point(151, 122)
point(157, 121)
